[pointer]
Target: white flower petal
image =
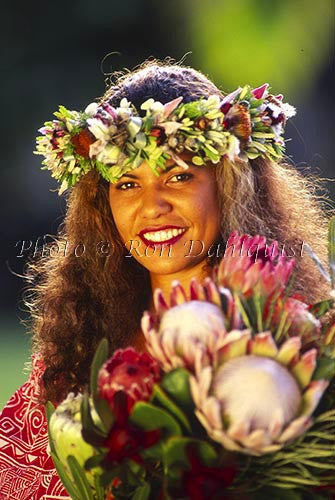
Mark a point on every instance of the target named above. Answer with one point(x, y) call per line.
point(222, 438)
point(91, 109)
point(257, 440)
point(295, 429)
point(239, 430)
point(312, 395)
point(195, 390)
point(211, 408)
point(276, 423)
point(155, 349)
point(205, 380)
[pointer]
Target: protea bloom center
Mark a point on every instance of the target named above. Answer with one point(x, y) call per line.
point(260, 396)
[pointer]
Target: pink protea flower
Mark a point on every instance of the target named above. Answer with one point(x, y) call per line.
point(250, 264)
point(260, 396)
point(132, 373)
point(185, 332)
point(299, 320)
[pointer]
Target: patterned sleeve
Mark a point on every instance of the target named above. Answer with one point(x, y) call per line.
point(26, 468)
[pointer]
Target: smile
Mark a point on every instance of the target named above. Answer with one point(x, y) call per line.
point(167, 235)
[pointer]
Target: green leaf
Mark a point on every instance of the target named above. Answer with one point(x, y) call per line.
point(142, 492)
point(91, 433)
point(99, 490)
point(177, 384)
point(149, 417)
point(331, 250)
point(320, 308)
point(175, 457)
point(93, 438)
point(105, 413)
point(80, 479)
point(95, 460)
point(49, 410)
point(66, 480)
point(174, 451)
point(101, 405)
point(325, 369)
point(276, 494)
point(101, 355)
point(166, 401)
point(107, 477)
point(87, 420)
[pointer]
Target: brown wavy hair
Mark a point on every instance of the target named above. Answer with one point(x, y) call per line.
point(89, 289)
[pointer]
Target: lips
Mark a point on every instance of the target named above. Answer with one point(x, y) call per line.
point(162, 235)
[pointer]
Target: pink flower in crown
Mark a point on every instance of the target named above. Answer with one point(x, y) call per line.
point(260, 92)
point(129, 372)
point(250, 263)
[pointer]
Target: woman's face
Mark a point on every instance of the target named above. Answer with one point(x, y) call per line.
point(167, 222)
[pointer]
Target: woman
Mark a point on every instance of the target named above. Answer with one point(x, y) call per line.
point(157, 220)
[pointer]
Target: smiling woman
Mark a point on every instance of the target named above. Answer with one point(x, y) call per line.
point(158, 218)
point(162, 169)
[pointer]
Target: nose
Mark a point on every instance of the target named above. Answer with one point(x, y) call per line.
point(155, 203)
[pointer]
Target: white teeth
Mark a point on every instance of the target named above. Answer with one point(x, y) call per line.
point(159, 236)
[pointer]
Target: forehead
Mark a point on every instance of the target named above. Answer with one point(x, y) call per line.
point(145, 170)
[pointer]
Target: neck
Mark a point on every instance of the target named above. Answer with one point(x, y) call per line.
point(164, 282)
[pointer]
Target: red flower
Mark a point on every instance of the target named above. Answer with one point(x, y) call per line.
point(131, 373)
point(116, 482)
point(82, 142)
point(124, 440)
point(206, 483)
point(260, 92)
point(225, 107)
point(54, 139)
point(160, 135)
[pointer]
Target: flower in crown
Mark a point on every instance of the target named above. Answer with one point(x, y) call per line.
point(113, 140)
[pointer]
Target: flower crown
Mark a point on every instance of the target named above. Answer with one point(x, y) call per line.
point(247, 123)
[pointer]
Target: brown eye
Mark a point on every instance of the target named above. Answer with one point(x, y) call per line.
point(181, 177)
point(125, 186)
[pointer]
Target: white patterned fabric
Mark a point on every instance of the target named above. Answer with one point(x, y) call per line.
point(27, 471)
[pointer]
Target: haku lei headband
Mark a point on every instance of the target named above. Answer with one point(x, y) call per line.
point(247, 123)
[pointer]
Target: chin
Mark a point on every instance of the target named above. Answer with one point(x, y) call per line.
point(165, 266)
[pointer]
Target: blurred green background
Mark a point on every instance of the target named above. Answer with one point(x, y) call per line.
point(55, 53)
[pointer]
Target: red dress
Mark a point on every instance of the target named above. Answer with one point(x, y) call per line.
point(27, 471)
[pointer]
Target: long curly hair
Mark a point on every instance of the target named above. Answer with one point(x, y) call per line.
point(87, 288)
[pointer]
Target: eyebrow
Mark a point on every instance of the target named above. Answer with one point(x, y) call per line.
point(167, 170)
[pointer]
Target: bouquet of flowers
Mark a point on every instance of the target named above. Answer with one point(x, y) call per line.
point(235, 397)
